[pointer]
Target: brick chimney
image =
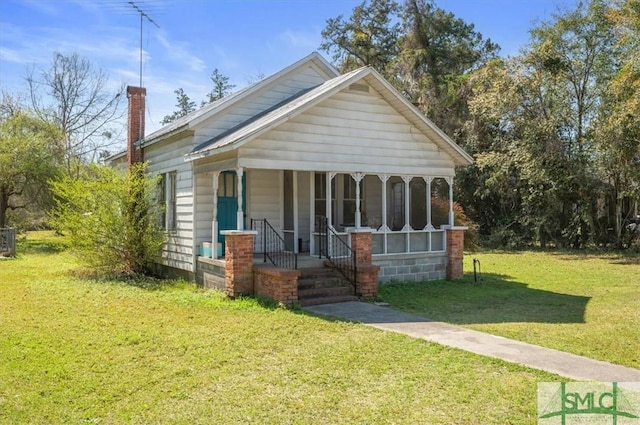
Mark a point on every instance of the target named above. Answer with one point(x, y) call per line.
point(135, 123)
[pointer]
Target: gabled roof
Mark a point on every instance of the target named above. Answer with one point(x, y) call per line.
point(302, 101)
point(196, 117)
point(190, 120)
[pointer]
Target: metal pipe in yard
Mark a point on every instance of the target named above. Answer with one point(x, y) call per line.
point(477, 274)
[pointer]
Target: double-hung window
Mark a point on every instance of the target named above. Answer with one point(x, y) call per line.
point(167, 201)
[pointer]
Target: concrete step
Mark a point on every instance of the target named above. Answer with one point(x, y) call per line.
point(320, 282)
point(327, 300)
point(324, 292)
point(318, 272)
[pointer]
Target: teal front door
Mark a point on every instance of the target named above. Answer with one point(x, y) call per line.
point(228, 202)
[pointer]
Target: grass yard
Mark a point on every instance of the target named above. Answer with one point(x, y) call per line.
point(79, 351)
point(584, 304)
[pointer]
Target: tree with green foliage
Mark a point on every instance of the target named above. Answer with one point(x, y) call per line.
point(184, 104)
point(30, 156)
point(437, 55)
point(110, 219)
point(618, 132)
point(221, 87)
point(369, 37)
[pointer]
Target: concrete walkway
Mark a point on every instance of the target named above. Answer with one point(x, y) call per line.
point(554, 361)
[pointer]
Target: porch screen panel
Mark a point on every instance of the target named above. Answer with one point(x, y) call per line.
point(418, 205)
point(372, 202)
point(395, 203)
point(439, 202)
point(349, 201)
point(320, 183)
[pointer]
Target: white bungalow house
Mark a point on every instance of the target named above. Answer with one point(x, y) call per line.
point(304, 144)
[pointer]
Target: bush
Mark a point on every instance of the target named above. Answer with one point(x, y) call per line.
point(440, 214)
point(110, 219)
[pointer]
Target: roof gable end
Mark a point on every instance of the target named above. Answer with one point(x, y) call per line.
point(302, 101)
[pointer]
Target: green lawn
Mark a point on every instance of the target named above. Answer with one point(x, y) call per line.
point(78, 351)
point(584, 304)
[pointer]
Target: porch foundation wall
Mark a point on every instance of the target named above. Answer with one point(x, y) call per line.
point(411, 267)
point(210, 273)
point(280, 285)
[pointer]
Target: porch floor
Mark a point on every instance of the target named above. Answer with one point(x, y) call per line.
point(305, 261)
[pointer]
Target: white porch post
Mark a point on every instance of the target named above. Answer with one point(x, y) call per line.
point(450, 181)
point(407, 206)
point(384, 228)
point(240, 220)
point(428, 181)
point(295, 211)
point(214, 223)
point(329, 177)
point(358, 178)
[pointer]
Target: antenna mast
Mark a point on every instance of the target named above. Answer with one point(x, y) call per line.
point(142, 15)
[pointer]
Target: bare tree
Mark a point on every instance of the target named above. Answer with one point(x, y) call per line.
point(75, 96)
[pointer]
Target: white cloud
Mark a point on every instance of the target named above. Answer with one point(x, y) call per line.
point(179, 51)
point(309, 40)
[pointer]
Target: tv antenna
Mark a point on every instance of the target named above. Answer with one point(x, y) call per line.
point(143, 15)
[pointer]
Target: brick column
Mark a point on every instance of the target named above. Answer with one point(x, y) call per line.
point(238, 271)
point(361, 244)
point(366, 273)
point(455, 252)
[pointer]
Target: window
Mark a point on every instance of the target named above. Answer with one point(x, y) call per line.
point(172, 216)
point(167, 201)
point(228, 185)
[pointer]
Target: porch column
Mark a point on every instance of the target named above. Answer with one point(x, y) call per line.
point(455, 252)
point(240, 221)
point(450, 181)
point(384, 178)
point(294, 175)
point(214, 223)
point(366, 273)
point(329, 177)
point(384, 228)
point(428, 181)
point(357, 177)
point(407, 207)
point(238, 271)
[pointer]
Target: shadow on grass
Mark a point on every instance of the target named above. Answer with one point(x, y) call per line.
point(495, 300)
point(619, 258)
point(51, 245)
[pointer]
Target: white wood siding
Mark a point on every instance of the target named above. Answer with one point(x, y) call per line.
point(283, 89)
point(263, 196)
point(351, 131)
point(178, 251)
point(204, 209)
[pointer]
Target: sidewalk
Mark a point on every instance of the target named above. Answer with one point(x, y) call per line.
point(547, 359)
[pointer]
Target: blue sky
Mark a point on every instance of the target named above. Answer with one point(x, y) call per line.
point(242, 38)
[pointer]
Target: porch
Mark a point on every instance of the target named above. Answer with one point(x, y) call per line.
point(406, 214)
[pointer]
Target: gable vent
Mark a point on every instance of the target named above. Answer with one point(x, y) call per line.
point(359, 87)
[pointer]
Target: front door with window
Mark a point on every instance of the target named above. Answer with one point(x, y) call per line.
point(228, 202)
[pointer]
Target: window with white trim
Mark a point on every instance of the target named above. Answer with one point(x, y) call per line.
point(167, 200)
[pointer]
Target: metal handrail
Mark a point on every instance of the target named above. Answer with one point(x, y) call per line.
point(336, 251)
point(273, 245)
